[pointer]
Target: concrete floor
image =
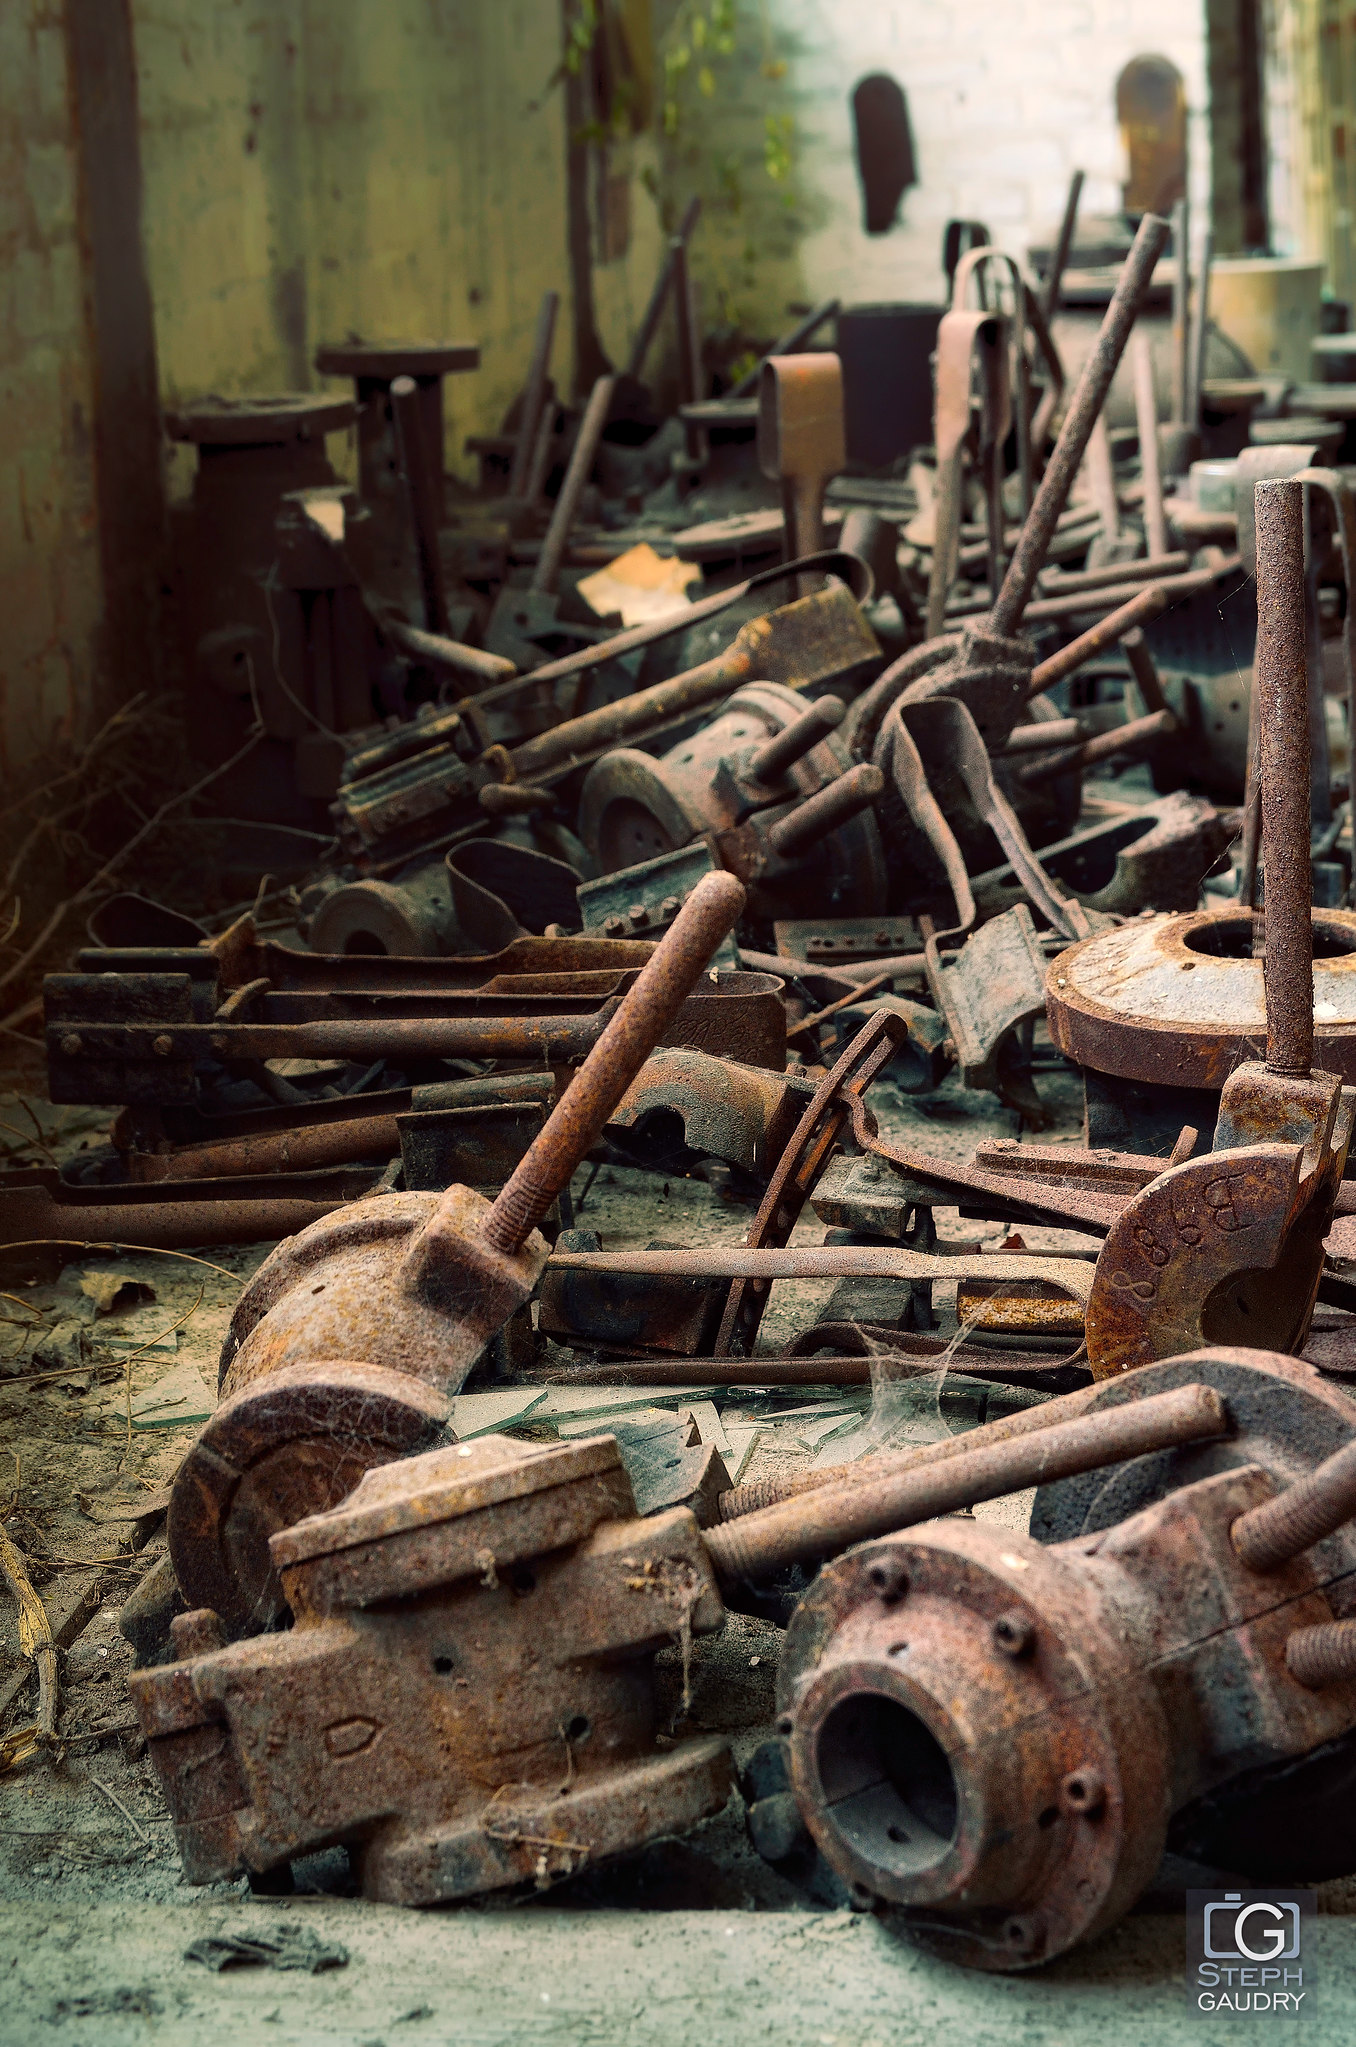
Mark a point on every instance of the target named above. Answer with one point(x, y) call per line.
point(115, 1976)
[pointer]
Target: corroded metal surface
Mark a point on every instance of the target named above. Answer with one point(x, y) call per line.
point(409, 1286)
point(465, 1696)
point(1179, 999)
point(993, 1735)
point(770, 787)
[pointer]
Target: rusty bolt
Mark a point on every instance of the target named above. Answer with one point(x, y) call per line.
point(162, 1045)
point(1013, 1634)
point(615, 927)
point(888, 1579)
point(670, 907)
point(1021, 1933)
point(72, 1043)
point(638, 914)
point(1084, 1791)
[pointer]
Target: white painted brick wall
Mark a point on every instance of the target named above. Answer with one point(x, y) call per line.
point(1006, 99)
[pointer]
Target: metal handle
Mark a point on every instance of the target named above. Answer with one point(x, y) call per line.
point(646, 1011)
point(828, 808)
point(1084, 408)
point(546, 575)
point(827, 1521)
point(772, 759)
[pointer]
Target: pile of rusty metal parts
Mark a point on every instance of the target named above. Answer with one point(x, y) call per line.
point(995, 770)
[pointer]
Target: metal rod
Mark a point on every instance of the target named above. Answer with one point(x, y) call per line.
point(1282, 685)
point(422, 496)
point(1143, 667)
point(830, 1520)
point(789, 343)
point(447, 653)
point(534, 394)
point(1040, 738)
point(546, 575)
point(1200, 327)
point(1315, 1506)
point(772, 760)
point(654, 311)
point(646, 1011)
point(758, 1493)
point(1181, 287)
point(1136, 611)
point(828, 808)
point(1064, 242)
point(1084, 407)
point(1146, 423)
point(1134, 734)
point(541, 452)
point(689, 345)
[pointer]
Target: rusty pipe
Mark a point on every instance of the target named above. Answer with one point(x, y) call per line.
point(1136, 612)
point(546, 575)
point(1146, 422)
point(1282, 686)
point(654, 311)
point(445, 653)
point(772, 759)
point(1133, 735)
point(534, 394)
point(1040, 738)
point(1064, 242)
point(828, 808)
point(830, 1520)
point(1321, 1655)
point(646, 1011)
point(1314, 1506)
point(756, 1494)
point(1162, 562)
point(1084, 408)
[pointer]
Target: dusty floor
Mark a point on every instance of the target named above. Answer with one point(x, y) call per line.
point(100, 1394)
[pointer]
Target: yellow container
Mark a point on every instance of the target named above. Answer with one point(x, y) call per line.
point(1269, 306)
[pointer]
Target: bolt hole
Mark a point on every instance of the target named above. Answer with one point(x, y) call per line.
point(896, 1833)
point(1048, 1817)
point(578, 1729)
point(522, 1579)
point(443, 1665)
point(898, 1649)
point(319, 1289)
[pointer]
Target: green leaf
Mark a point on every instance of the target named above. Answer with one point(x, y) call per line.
point(706, 82)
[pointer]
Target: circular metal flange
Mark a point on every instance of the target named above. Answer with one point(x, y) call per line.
point(281, 1449)
point(1178, 1000)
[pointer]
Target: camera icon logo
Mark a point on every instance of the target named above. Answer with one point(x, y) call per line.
point(1259, 1932)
